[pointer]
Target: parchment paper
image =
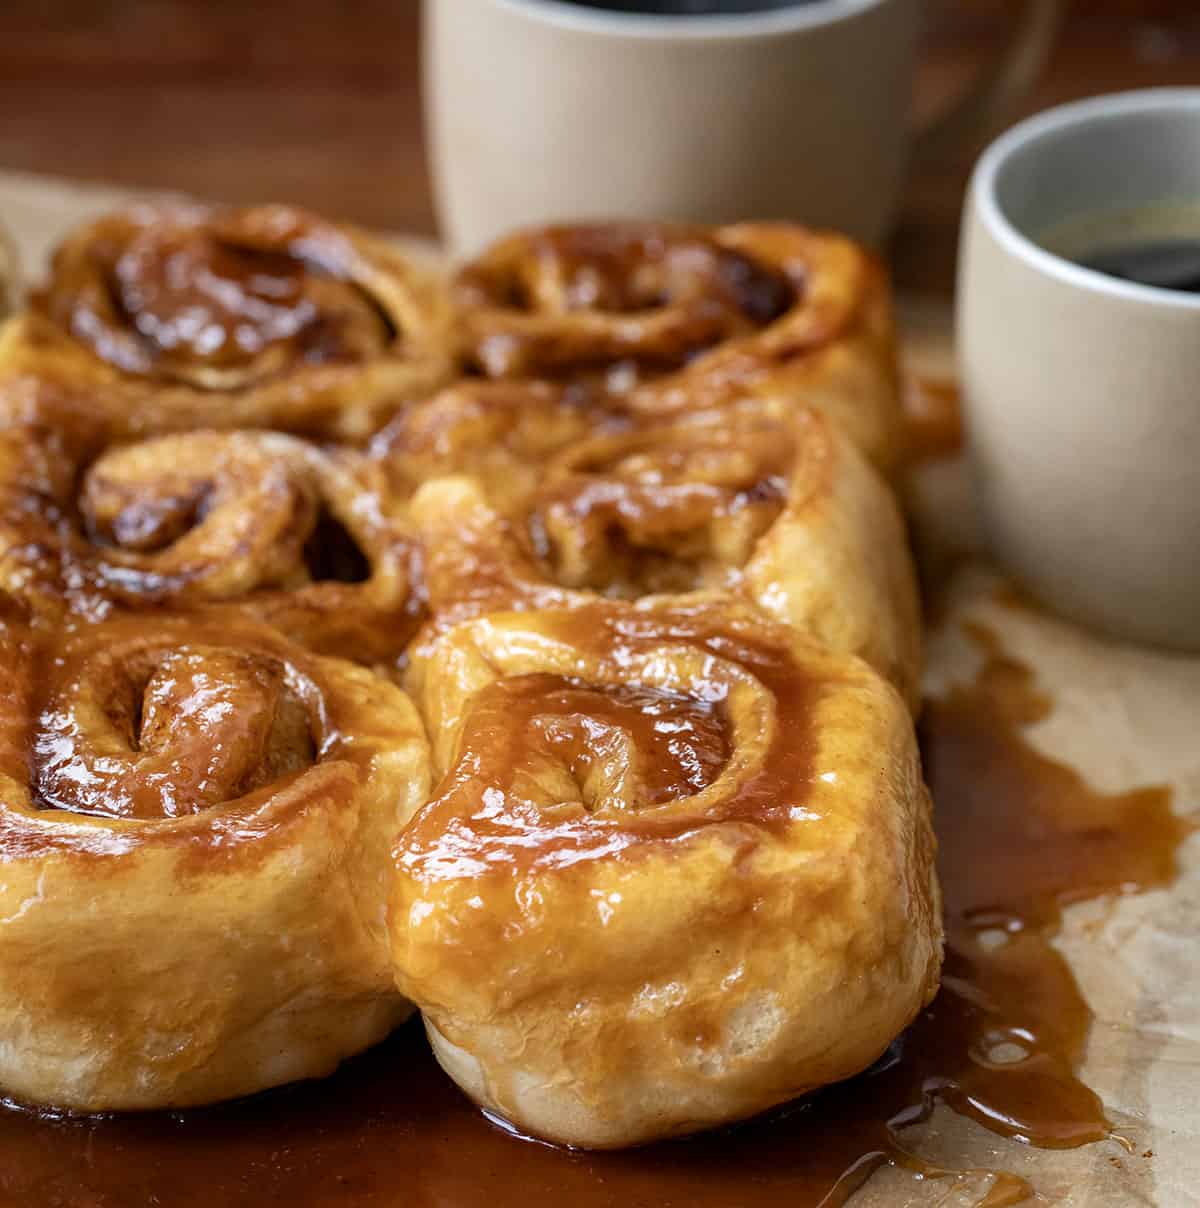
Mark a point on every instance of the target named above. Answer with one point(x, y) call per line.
point(1124, 717)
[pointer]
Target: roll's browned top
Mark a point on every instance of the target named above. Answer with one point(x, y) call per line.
point(567, 299)
point(672, 318)
point(620, 740)
point(223, 302)
point(182, 315)
point(213, 732)
point(250, 521)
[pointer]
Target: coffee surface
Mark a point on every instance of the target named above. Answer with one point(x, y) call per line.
point(1156, 245)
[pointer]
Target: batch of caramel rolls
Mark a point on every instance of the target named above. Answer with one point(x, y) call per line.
point(533, 645)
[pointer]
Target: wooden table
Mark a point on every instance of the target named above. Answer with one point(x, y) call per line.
point(319, 103)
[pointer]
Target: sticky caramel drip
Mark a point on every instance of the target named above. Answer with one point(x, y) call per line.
point(1021, 835)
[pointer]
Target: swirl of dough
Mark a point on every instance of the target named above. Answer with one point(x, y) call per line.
point(660, 508)
point(258, 521)
point(678, 867)
point(179, 316)
point(685, 317)
point(500, 433)
point(564, 299)
point(195, 825)
point(784, 510)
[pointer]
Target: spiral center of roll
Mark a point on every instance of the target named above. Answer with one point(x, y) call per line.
point(197, 301)
point(602, 746)
point(217, 515)
point(640, 514)
point(169, 735)
point(631, 272)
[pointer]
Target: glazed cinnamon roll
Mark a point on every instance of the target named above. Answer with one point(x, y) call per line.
point(503, 434)
point(195, 820)
point(180, 316)
point(244, 521)
point(783, 510)
point(678, 867)
point(680, 317)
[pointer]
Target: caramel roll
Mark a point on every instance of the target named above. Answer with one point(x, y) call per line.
point(785, 511)
point(661, 508)
point(682, 317)
point(195, 821)
point(500, 433)
point(678, 867)
point(179, 316)
point(258, 521)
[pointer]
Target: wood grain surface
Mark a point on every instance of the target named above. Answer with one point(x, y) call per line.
point(319, 102)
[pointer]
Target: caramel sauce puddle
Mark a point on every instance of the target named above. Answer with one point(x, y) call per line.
point(1021, 836)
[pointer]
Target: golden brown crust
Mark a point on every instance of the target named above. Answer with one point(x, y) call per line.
point(193, 826)
point(684, 317)
point(175, 316)
point(678, 868)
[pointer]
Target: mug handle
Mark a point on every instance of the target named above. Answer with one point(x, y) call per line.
point(1001, 87)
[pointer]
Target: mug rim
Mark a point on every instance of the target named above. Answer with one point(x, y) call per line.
point(794, 18)
point(1039, 127)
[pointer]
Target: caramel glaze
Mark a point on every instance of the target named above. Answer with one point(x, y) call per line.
point(501, 433)
point(664, 746)
point(166, 300)
point(194, 728)
point(211, 733)
point(662, 508)
point(488, 811)
point(254, 522)
point(1020, 836)
point(647, 298)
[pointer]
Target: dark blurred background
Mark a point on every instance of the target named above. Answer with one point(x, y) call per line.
point(318, 101)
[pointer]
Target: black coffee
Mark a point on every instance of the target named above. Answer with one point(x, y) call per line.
point(1155, 244)
point(1166, 263)
point(692, 8)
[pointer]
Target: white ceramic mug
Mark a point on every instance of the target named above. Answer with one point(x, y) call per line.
point(1082, 391)
point(540, 110)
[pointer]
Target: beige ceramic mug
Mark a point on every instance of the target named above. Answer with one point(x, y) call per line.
point(1082, 390)
point(541, 110)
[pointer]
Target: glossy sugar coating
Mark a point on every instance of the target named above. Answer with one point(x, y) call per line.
point(519, 643)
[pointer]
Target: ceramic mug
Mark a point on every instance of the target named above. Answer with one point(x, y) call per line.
point(540, 110)
point(1082, 391)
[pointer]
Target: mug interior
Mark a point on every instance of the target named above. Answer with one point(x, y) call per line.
point(1110, 155)
point(782, 16)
